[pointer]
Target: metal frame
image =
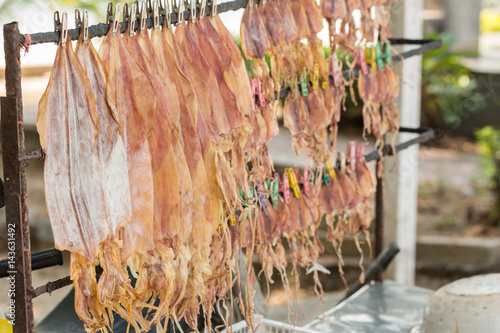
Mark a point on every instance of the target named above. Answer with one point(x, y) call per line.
point(15, 160)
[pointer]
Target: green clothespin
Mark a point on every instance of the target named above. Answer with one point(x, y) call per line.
point(326, 178)
point(379, 55)
point(273, 186)
point(303, 84)
point(245, 199)
point(387, 55)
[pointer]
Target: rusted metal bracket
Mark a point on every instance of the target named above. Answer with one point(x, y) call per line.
point(16, 204)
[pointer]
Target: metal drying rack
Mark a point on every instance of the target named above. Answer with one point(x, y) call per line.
point(21, 262)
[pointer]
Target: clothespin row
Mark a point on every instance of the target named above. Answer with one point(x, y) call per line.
point(375, 57)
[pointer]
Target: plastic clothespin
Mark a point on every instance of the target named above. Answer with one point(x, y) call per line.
point(253, 86)
point(245, 199)
point(326, 178)
point(294, 185)
point(260, 92)
point(379, 55)
point(315, 78)
point(232, 221)
point(337, 76)
point(324, 82)
point(262, 197)
point(283, 187)
point(303, 83)
point(361, 152)
point(329, 168)
point(373, 59)
point(387, 54)
point(273, 186)
point(362, 62)
point(342, 161)
point(352, 148)
point(303, 180)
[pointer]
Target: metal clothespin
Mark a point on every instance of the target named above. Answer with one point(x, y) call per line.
point(129, 18)
point(180, 12)
point(82, 24)
point(114, 19)
point(168, 14)
point(62, 26)
point(214, 8)
point(203, 8)
point(192, 9)
point(142, 17)
point(156, 15)
point(294, 185)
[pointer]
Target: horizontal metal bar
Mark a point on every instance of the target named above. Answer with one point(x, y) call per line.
point(379, 264)
point(409, 41)
point(39, 260)
point(51, 286)
point(388, 151)
point(34, 155)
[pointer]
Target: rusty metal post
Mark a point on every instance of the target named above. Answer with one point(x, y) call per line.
point(16, 205)
point(379, 214)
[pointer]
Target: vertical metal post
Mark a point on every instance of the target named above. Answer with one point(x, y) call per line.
point(16, 205)
point(379, 214)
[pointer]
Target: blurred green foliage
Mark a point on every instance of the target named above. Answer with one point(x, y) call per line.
point(488, 138)
point(446, 85)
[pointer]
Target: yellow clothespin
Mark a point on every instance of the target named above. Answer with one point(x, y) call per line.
point(294, 185)
point(329, 167)
point(373, 61)
point(315, 79)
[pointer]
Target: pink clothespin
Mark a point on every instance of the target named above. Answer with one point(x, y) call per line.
point(260, 92)
point(362, 62)
point(253, 86)
point(352, 148)
point(361, 152)
point(303, 180)
point(283, 187)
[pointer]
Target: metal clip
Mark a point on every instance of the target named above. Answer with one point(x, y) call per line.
point(378, 51)
point(130, 18)
point(303, 84)
point(180, 12)
point(203, 8)
point(315, 78)
point(156, 15)
point(64, 28)
point(192, 9)
point(142, 17)
point(213, 10)
point(114, 18)
point(83, 25)
point(260, 92)
point(387, 55)
point(57, 21)
point(294, 185)
point(362, 63)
